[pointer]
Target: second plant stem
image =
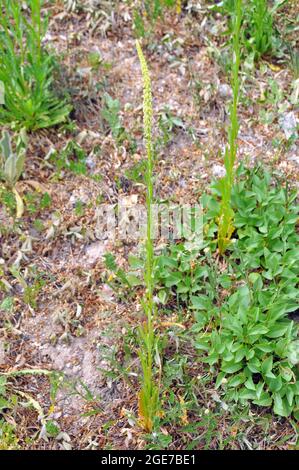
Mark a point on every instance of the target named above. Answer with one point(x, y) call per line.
point(225, 225)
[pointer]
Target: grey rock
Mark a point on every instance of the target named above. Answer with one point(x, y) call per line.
point(288, 123)
point(218, 171)
point(225, 91)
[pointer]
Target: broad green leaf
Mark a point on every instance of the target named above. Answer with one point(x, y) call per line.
point(237, 380)
point(200, 302)
point(249, 384)
point(267, 365)
point(231, 367)
point(258, 330)
point(254, 365)
point(133, 280)
point(163, 296)
point(264, 400)
point(5, 145)
point(274, 384)
point(277, 330)
point(281, 406)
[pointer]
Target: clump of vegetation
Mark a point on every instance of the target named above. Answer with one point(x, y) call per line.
point(259, 30)
point(247, 336)
point(253, 338)
point(27, 69)
point(12, 399)
point(110, 113)
point(259, 36)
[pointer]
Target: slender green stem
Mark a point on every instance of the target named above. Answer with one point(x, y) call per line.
point(225, 225)
point(149, 394)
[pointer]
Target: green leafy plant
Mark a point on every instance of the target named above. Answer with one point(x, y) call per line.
point(251, 342)
point(118, 279)
point(167, 123)
point(8, 438)
point(149, 393)
point(226, 216)
point(246, 317)
point(259, 36)
point(181, 274)
point(12, 165)
point(26, 68)
point(137, 171)
point(71, 157)
point(111, 115)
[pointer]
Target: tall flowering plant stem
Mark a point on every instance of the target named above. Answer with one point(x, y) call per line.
point(148, 397)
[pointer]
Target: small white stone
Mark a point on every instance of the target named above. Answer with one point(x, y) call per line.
point(225, 91)
point(288, 123)
point(218, 171)
point(91, 162)
point(294, 159)
point(95, 252)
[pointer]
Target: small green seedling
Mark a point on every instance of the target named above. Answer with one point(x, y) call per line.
point(111, 114)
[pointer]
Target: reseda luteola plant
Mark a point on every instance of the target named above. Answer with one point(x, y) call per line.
point(148, 400)
point(226, 217)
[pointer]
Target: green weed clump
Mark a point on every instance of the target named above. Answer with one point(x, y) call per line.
point(26, 68)
point(149, 393)
point(259, 37)
point(225, 224)
point(246, 317)
point(252, 338)
point(259, 32)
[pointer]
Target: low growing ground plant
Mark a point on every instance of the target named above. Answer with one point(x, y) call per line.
point(111, 114)
point(27, 69)
point(251, 335)
point(246, 318)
